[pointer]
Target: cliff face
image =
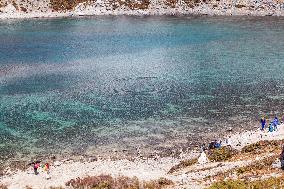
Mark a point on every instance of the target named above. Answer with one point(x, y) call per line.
point(50, 8)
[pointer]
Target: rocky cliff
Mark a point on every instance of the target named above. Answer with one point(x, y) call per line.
point(54, 8)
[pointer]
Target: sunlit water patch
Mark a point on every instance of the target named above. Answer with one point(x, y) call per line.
point(92, 85)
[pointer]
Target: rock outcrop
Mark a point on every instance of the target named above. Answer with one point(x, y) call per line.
point(54, 8)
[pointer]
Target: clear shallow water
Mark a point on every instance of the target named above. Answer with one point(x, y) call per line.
point(91, 85)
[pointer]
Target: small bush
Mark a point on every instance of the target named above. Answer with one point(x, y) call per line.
point(191, 3)
point(63, 5)
point(108, 182)
point(183, 164)
point(171, 3)
point(221, 154)
point(157, 184)
point(262, 145)
point(143, 4)
point(240, 6)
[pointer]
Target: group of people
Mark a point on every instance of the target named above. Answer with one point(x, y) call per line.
point(45, 167)
point(212, 145)
point(273, 126)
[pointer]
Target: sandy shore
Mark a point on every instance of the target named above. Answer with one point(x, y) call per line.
point(144, 169)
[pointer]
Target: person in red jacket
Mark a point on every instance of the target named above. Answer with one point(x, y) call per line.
point(36, 166)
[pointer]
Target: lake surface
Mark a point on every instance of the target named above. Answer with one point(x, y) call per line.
point(95, 84)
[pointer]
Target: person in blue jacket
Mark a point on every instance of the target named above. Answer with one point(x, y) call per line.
point(271, 127)
point(263, 122)
point(275, 123)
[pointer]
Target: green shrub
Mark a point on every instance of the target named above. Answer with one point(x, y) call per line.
point(221, 154)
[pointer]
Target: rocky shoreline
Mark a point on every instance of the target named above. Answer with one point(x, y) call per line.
point(56, 8)
point(249, 148)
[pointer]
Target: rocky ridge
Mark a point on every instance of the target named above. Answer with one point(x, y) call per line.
point(58, 8)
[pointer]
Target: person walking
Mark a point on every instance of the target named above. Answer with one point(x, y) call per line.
point(36, 166)
point(271, 127)
point(275, 123)
point(263, 122)
point(46, 169)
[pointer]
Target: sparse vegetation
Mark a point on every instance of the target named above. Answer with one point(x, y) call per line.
point(108, 182)
point(263, 145)
point(62, 5)
point(221, 154)
point(157, 184)
point(239, 6)
point(183, 164)
point(257, 167)
point(270, 183)
point(191, 3)
point(134, 5)
point(171, 3)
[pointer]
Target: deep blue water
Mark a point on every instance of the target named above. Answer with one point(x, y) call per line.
point(90, 85)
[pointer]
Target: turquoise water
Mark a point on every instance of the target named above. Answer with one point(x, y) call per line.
point(91, 85)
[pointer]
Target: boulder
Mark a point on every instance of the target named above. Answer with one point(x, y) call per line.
point(276, 164)
point(202, 158)
point(8, 9)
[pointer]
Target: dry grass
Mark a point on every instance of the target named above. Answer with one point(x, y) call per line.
point(270, 149)
point(108, 182)
point(270, 183)
point(183, 164)
point(157, 184)
point(221, 154)
point(171, 3)
point(134, 5)
point(255, 169)
point(263, 146)
point(258, 168)
point(191, 3)
point(63, 5)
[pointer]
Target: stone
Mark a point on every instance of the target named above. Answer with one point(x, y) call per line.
point(8, 9)
point(202, 158)
point(276, 164)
